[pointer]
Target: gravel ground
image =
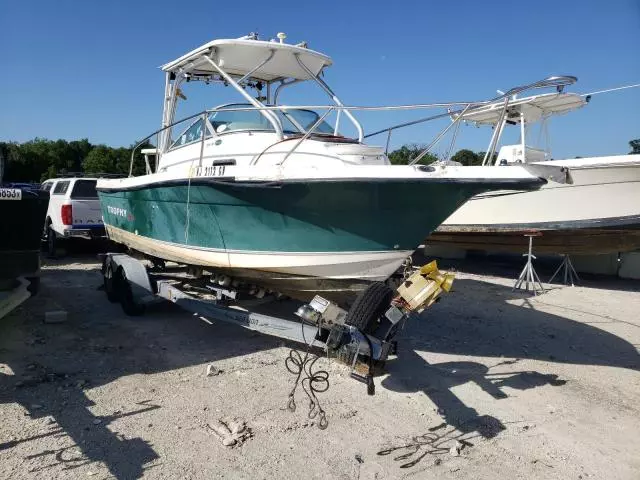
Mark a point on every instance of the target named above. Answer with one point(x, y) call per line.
point(530, 387)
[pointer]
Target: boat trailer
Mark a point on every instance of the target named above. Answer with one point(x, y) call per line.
point(362, 337)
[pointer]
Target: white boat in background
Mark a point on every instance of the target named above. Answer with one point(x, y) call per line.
point(596, 211)
point(273, 194)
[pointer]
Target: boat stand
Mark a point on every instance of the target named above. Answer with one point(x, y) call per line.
point(528, 276)
point(569, 274)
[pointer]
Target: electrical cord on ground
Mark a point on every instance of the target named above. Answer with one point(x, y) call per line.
point(312, 382)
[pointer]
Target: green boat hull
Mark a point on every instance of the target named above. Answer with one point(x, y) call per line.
point(339, 216)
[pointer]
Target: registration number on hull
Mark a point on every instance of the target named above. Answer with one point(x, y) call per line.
point(10, 194)
point(211, 171)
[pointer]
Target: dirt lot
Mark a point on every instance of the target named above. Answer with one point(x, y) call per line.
point(544, 387)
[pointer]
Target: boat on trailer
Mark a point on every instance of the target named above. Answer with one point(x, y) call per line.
point(273, 194)
point(597, 210)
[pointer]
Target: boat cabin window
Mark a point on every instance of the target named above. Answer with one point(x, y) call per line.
point(191, 134)
point(84, 189)
point(225, 121)
point(293, 121)
point(61, 188)
point(305, 119)
point(229, 121)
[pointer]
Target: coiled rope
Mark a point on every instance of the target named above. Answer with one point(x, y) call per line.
point(312, 381)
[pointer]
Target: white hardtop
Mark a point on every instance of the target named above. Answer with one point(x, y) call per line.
point(240, 56)
point(532, 108)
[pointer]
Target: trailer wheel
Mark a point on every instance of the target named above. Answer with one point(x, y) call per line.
point(125, 295)
point(109, 284)
point(369, 306)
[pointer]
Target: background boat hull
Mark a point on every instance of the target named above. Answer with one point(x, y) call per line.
point(598, 213)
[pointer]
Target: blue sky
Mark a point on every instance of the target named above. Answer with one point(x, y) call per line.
point(74, 69)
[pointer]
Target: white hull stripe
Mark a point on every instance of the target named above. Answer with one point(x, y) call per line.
point(335, 265)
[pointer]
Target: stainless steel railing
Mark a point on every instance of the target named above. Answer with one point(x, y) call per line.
point(455, 110)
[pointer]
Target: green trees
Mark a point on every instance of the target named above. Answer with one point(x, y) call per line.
point(406, 153)
point(39, 159)
point(468, 157)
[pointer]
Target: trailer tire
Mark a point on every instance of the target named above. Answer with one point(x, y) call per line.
point(125, 295)
point(109, 283)
point(369, 306)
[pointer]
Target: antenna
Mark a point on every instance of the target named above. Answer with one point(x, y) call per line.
point(611, 90)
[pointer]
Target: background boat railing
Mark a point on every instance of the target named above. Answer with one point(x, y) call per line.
point(455, 111)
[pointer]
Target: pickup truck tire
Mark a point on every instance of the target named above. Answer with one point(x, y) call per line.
point(109, 284)
point(52, 242)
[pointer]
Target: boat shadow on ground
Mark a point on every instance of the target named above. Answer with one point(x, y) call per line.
point(508, 333)
point(56, 366)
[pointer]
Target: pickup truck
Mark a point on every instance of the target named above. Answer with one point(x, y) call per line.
point(74, 211)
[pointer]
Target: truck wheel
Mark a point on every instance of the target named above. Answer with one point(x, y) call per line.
point(109, 284)
point(52, 242)
point(369, 306)
point(125, 295)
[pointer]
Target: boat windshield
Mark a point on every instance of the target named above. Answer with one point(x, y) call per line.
point(293, 121)
point(225, 120)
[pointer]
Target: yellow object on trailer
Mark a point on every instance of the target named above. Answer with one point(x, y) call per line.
point(422, 288)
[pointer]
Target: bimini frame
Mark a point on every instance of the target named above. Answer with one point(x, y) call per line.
point(176, 76)
point(201, 65)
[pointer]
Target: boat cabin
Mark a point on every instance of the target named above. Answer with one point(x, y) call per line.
point(256, 130)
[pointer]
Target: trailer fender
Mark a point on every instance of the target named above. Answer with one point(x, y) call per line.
point(135, 273)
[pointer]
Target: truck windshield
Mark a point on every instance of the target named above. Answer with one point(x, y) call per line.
point(84, 189)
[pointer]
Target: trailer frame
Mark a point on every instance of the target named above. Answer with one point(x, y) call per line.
point(135, 285)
